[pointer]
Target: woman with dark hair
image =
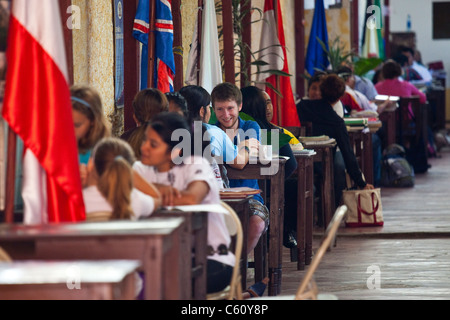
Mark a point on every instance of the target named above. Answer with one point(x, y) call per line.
point(177, 103)
point(325, 121)
point(254, 105)
point(187, 183)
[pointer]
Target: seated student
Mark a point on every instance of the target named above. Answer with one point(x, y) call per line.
point(393, 86)
point(269, 116)
point(89, 122)
point(146, 104)
point(227, 103)
point(223, 149)
point(254, 105)
point(409, 73)
point(361, 99)
point(413, 63)
point(177, 103)
point(189, 182)
point(315, 94)
point(111, 188)
point(326, 122)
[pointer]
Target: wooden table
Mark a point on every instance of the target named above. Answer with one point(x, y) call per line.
point(242, 208)
point(324, 155)
point(361, 140)
point(194, 240)
point(77, 280)
point(272, 171)
point(156, 243)
point(305, 208)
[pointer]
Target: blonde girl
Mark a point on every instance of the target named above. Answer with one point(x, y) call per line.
point(112, 188)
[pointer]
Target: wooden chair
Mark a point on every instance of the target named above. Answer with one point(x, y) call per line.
point(4, 257)
point(307, 289)
point(234, 290)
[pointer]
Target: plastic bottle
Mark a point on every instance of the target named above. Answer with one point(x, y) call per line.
point(408, 23)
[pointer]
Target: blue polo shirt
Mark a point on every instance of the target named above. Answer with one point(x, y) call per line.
point(221, 145)
point(247, 130)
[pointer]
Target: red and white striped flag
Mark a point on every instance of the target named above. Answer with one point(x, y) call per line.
point(37, 107)
point(273, 52)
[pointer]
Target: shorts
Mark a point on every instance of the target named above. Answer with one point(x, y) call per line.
point(260, 210)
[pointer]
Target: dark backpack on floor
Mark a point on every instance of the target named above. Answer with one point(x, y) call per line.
point(396, 172)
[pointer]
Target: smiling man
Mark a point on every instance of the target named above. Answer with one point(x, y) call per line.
point(227, 103)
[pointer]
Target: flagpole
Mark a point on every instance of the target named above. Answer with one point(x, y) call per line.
point(199, 37)
point(178, 44)
point(10, 176)
point(246, 5)
point(151, 46)
point(280, 117)
point(300, 46)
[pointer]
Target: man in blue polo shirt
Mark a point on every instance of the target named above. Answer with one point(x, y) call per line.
point(227, 103)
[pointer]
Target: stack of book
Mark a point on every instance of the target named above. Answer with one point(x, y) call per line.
point(317, 140)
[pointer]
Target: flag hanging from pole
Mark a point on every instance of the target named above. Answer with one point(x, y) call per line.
point(210, 71)
point(164, 59)
point(210, 64)
point(37, 107)
point(273, 52)
point(316, 57)
point(372, 41)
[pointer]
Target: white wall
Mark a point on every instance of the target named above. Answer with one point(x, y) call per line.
point(421, 12)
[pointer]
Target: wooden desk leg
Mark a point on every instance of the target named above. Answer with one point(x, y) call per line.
point(309, 209)
point(244, 260)
point(276, 231)
point(301, 213)
point(368, 158)
point(328, 186)
point(200, 251)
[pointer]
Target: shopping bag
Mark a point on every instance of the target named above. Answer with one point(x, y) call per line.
point(364, 208)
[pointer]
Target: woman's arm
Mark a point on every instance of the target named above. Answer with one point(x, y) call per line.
point(194, 194)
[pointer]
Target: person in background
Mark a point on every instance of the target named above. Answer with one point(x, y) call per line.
point(177, 103)
point(315, 94)
point(416, 64)
point(227, 103)
point(254, 105)
point(146, 104)
point(189, 182)
point(111, 188)
point(393, 86)
point(294, 142)
point(89, 123)
point(326, 122)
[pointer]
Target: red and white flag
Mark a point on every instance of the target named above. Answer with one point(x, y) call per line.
point(37, 107)
point(273, 52)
